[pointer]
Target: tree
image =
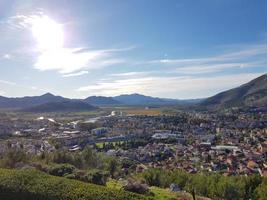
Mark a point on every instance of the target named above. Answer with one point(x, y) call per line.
point(112, 167)
point(97, 177)
point(13, 157)
point(227, 189)
point(90, 157)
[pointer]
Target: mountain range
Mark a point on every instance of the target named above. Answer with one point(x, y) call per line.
point(253, 93)
point(48, 100)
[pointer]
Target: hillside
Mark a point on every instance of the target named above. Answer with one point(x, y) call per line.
point(136, 99)
point(101, 101)
point(253, 93)
point(33, 185)
point(139, 99)
point(65, 106)
point(24, 102)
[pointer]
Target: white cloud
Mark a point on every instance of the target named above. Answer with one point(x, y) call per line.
point(75, 74)
point(174, 87)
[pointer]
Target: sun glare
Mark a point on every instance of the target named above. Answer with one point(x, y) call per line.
point(48, 33)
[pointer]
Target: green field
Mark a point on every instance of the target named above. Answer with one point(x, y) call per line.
point(157, 193)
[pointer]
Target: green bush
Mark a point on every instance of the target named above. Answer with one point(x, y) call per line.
point(136, 187)
point(215, 186)
point(61, 169)
point(97, 177)
point(35, 185)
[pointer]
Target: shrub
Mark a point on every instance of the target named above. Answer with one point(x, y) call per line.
point(136, 187)
point(215, 186)
point(61, 169)
point(97, 177)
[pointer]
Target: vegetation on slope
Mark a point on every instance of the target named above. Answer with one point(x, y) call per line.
point(30, 184)
point(215, 186)
point(253, 93)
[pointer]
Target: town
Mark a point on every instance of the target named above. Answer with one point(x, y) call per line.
point(233, 142)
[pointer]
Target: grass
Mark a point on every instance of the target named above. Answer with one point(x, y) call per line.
point(163, 194)
point(159, 193)
point(34, 185)
point(114, 184)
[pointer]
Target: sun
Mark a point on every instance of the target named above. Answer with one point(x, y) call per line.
point(48, 33)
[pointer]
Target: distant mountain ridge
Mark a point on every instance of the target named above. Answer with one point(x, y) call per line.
point(139, 99)
point(101, 101)
point(29, 101)
point(135, 99)
point(126, 99)
point(253, 93)
point(64, 106)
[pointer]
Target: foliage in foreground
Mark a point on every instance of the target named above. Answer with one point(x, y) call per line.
point(215, 186)
point(30, 184)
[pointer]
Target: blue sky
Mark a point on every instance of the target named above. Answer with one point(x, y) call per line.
point(176, 49)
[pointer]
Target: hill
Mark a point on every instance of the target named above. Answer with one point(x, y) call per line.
point(24, 102)
point(101, 101)
point(253, 93)
point(33, 185)
point(65, 106)
point(139, 99)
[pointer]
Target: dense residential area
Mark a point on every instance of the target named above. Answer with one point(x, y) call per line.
point(233, 142)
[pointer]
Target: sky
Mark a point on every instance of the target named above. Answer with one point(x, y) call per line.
point(165, 48)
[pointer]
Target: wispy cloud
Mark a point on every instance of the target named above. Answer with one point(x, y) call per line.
point(21, 21)
point(17, 85)
point(245, 57)
point(67, 60)
point(7, 82)
point(212, 68)
point(175, 87)
point(248, 51)
point(130, 74)
point(75, 74)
